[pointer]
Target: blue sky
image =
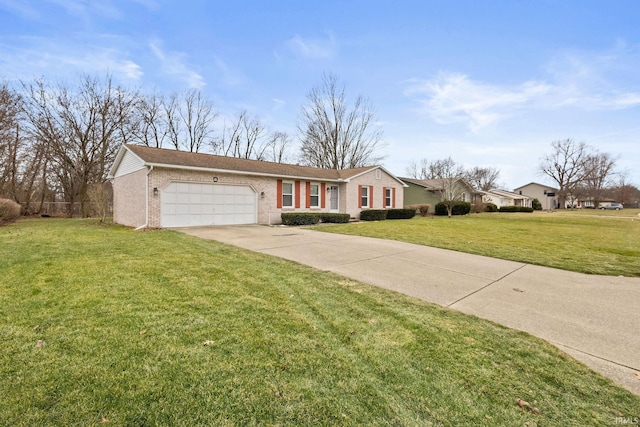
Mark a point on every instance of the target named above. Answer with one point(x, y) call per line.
point(489, 83)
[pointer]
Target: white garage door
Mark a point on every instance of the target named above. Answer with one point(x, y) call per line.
point(187, 204)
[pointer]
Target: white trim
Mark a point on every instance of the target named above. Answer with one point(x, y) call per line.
point(390, 190)
point(368, 196)
point(237, 172)
point(293, 193)
point(319, 195)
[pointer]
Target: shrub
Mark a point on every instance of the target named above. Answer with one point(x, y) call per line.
point(515, 209)
point(9, 211)
point(300, 218)
point(536, 205)
point(401, 213)
point(335, 218)
point(373, 215)
point(491, 207)
point(423, 210)
point(459, 208)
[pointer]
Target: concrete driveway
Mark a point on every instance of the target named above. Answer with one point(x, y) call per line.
point(595, 319)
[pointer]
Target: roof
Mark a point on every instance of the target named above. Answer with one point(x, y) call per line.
point(433, 184)
point(160, 157)
point(505, 193)
point(535, 183)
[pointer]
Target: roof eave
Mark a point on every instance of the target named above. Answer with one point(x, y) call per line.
point(237, 172)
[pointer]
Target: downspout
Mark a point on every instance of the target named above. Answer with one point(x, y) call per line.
point(146, 224)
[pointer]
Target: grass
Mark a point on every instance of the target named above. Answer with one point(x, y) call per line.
point(587, 241)
point(124, 317)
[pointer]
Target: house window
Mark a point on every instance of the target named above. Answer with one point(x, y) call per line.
point(314, 195)
point(388, 197)
point(364, 197)
point(287, 194)
point(378, 174)
point(464, 197)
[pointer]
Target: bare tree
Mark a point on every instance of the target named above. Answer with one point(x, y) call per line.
point(566, 166)
point(418, 170)
point(447, 179)
point(82, 127)
point(188, 120)
point(482, 178)
point(278, 148)
point(149, 123)
point(335, 135)
point(598, 173)
point(244, 138)
point(10, 141)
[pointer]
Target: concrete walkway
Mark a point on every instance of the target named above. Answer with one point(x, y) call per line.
point(595, 319)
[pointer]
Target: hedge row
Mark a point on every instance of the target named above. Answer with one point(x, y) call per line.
point(459, 208)
point(382, 214)
point(422, 210)
point(311, 218)
point(515, 209)
point(9, 211)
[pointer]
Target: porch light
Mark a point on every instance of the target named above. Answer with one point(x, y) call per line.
point(262, 195)
point(155, 191)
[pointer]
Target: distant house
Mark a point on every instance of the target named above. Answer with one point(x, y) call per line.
point(156, 187)
point(546, 195)
point(428, 191)
point(505, 198)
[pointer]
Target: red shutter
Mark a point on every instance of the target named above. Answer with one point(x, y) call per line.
point(279, 195)
point(384, 197)
point(297, 194)
point(371, 196)
point(359, 196)
point(323, 191)
point(393, 197)
point(308, 194)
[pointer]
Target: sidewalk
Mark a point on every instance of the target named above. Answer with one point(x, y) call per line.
point(595, 319)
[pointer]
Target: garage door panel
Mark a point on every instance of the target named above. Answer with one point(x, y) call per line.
point(197, 204)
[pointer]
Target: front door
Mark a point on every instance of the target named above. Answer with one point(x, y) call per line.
point(333, 198)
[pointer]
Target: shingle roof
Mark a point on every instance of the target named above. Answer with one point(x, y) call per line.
point(185, 159)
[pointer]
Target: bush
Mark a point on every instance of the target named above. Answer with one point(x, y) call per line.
point(300, 218)
point(515, 209)
point(423, 210)
point(459, 208)
point(401, 213)
point(335, 218)
point(491, 207)
point(373, 215)
point(536, 205)
point(9, 211)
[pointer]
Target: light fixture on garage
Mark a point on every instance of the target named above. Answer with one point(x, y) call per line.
point(262, 195)
point(155, 191)
point(215, 179)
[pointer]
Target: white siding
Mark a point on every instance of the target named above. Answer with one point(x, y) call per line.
point(130, 163)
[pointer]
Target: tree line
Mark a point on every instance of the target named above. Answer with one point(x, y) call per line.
point(58, 141)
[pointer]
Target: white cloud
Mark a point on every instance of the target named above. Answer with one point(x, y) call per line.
point(40, 57)
point(311, 48)
point(591, 81)
point(174, 64)
point(454, 98)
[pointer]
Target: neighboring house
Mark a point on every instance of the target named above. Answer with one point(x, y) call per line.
point(505, 198)
point(546, 195)
point(156, 187)
point(428, 191)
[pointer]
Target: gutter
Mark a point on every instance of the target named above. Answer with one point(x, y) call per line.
point(146, 224)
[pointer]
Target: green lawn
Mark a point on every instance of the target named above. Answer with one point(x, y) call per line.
point(124, 315)
point(588, 241)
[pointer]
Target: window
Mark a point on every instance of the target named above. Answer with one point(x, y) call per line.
point(388, 197)
point(287, 194)
point(314, 195)
point(364, 197)
point(378, 174)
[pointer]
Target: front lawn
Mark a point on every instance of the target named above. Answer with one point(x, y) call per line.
point(102, 325)
point(588, 241)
